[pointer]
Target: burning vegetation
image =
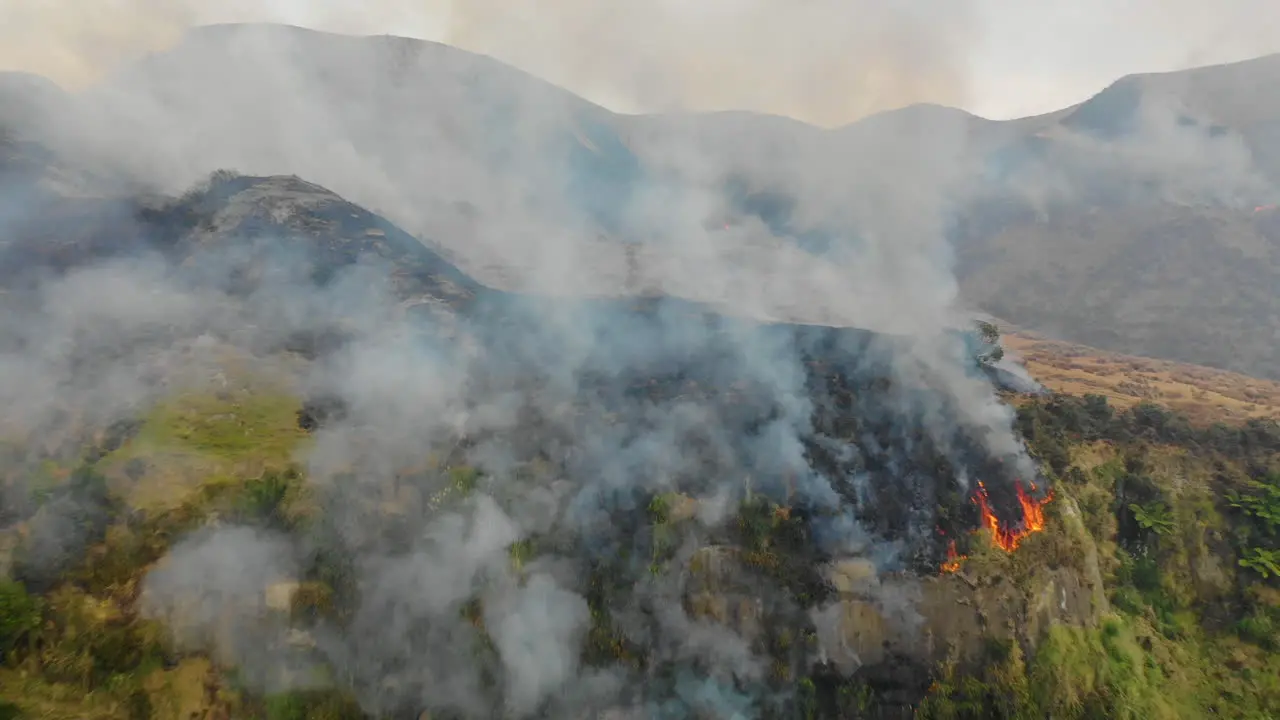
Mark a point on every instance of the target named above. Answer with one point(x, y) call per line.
point(1007, 538)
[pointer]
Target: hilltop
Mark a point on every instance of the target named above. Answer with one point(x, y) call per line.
point(1127, 222)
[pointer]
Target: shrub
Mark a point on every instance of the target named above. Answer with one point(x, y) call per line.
point(1098, 672)
point(19, 615)
point(314, 705)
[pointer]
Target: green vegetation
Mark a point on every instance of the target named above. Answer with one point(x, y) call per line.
point(310, 706)
point(1179, 515)
point(230, 425)
point(1178, 522)
point(82, 650)
point(989, 337)
point(19, 615)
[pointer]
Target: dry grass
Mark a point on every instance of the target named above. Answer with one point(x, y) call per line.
point(1204, 394)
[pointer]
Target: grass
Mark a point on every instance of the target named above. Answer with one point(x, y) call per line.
point(1101, 672)
point(231, 425)
point(36, 698)
point(189, 689)
point(1156, 655)
point(193, 439)
point(227, 450)
point(1205, 395)
point(1189, 634)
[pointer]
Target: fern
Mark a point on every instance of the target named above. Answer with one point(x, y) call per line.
point(1264, 562)
point(1155, 517)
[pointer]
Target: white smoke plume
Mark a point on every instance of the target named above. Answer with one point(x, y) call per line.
point(826, 62)
point(577, 414)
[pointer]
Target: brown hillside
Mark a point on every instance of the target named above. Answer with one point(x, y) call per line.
point(1205, 395)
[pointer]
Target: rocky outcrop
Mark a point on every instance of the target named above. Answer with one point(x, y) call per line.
point(901, 620)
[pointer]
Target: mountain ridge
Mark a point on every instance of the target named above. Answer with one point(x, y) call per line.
point(268, 454)
point(516, 179)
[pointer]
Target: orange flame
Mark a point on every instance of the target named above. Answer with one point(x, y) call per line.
point(953, 559)
point(1008, 539)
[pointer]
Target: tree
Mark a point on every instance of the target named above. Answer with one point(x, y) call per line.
point(990, 333)
point(991, 351)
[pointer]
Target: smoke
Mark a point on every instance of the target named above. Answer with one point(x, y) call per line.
point(488, 506)
point(577, 413)
point(538, 629)
point(1193, 34)
point(216, 592)
point(856, 57)
point(825, 62)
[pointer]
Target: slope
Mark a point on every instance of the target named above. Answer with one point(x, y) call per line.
point(516, 178)
point(679, 512)
point(238, 399)
point(1204, 395)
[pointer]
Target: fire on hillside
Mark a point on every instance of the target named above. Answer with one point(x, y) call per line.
point(1005, 538)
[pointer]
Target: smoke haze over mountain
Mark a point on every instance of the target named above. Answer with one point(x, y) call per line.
point(585, 377)
point(824, 62)
point(477, 421)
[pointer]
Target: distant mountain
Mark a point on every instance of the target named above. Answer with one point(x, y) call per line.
point(478, 401)
point(1097, 222)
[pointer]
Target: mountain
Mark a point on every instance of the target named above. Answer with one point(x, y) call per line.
point(474, 400)
point(1155, 176)
point(174, 362)
point(267, 455)
point(1205, 395)
point(1170, 256)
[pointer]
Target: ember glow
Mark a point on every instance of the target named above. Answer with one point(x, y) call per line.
point(1006, 539)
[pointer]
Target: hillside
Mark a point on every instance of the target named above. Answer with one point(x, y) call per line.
point(268, 456)
point(1204, 395)
point(1182, 283)
point(458, 397)
point(1120, 203)
point(223, 403)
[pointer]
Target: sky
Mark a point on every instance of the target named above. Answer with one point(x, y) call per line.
point(822, 61)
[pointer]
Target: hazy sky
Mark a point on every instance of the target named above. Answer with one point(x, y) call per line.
point(1038, 55)
point(826, 61)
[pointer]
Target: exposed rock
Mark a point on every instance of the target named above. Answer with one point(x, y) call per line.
point(952, 618)
point(851, 576)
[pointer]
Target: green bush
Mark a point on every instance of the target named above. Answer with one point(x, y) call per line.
point(19, 615)
point(266, 498)
point(312, 705)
